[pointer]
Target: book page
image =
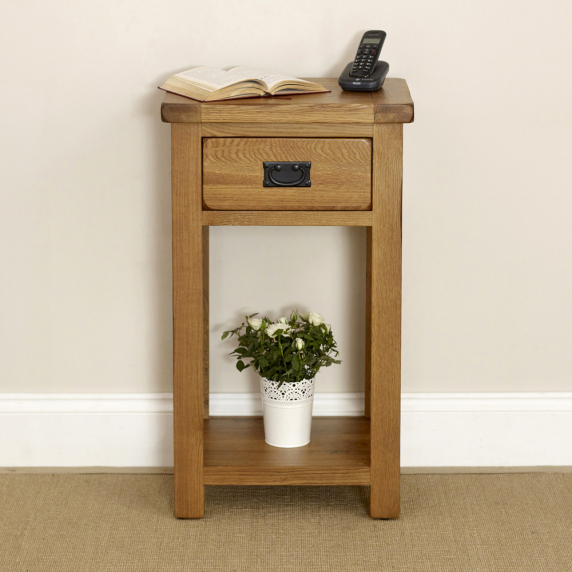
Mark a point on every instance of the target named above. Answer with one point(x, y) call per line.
point(211, 80)
point(269, 79)
point(216, 79)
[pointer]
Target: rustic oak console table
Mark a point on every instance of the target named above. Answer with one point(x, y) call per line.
point(341, 155)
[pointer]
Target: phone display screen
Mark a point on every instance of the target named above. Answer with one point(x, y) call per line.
point(370, 41)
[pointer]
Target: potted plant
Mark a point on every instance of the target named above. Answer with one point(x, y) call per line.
point(287, 355)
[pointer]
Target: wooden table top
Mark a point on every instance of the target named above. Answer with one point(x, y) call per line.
point(391, 104)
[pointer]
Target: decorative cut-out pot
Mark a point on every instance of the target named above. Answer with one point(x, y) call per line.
point(287, 412)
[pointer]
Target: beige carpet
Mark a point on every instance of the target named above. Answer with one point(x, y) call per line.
point(77, 523)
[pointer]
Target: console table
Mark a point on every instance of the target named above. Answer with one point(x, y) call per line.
point(351, 143)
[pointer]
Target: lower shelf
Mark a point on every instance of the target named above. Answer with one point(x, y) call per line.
point(235, 453)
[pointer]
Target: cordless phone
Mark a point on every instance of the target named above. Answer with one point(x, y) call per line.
point(366, 73)
point(368, 53)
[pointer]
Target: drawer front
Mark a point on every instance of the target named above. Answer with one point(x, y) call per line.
point(233, 174)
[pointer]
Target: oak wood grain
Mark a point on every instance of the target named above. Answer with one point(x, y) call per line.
point(338, 453)
point(367, 352)
point(287, 130)
point(187, 319)
point(385, 372)
point(233, 174)
point(178, 109)
point(392, 104)
point(206, 384)
point(287, 218)
point(327, 476)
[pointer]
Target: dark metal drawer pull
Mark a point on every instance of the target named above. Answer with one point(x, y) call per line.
point(287, 173)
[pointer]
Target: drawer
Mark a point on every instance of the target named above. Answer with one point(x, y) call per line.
point(233, 174)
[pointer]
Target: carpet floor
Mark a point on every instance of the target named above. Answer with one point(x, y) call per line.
point(124, 523)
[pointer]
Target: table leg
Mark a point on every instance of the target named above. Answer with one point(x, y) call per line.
point(206, 384)
point(385, 390)
point(368, 324)
point(187, 319)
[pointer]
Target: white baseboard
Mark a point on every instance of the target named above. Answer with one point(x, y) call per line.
point(325, 404)
point(135, 430)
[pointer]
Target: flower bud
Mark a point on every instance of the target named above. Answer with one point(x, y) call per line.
point(315, 319)
point(254, 323)
point(271, 329)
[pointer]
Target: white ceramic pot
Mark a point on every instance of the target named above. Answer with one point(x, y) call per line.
point(287, 412)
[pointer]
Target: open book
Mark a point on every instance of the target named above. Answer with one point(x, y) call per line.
point(210, 84)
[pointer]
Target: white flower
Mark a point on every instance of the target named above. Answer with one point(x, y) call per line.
point(300, 343)
point(304, 316)
point(271, 329)
point(328, 327)
point(283, 320)
point(315, 319)
point(254, 323)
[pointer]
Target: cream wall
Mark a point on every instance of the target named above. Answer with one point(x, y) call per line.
point(85, 207)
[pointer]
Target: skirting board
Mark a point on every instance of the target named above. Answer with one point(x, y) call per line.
point(441, 430)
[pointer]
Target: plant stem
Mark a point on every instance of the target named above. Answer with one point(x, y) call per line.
point(301, 366)
point(282, 352)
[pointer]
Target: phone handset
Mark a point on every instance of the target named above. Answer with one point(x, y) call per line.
point(366, 73)
point(368, 53)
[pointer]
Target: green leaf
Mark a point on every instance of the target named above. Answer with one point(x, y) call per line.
point(240, 365)
point(295, 364)
point(225, 335)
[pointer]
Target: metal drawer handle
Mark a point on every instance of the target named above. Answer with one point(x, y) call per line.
point(287, 174)
point(293, 183)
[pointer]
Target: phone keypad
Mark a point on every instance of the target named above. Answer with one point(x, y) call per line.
point(365, 61)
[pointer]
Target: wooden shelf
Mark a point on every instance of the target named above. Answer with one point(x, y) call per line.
point(235, 453)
